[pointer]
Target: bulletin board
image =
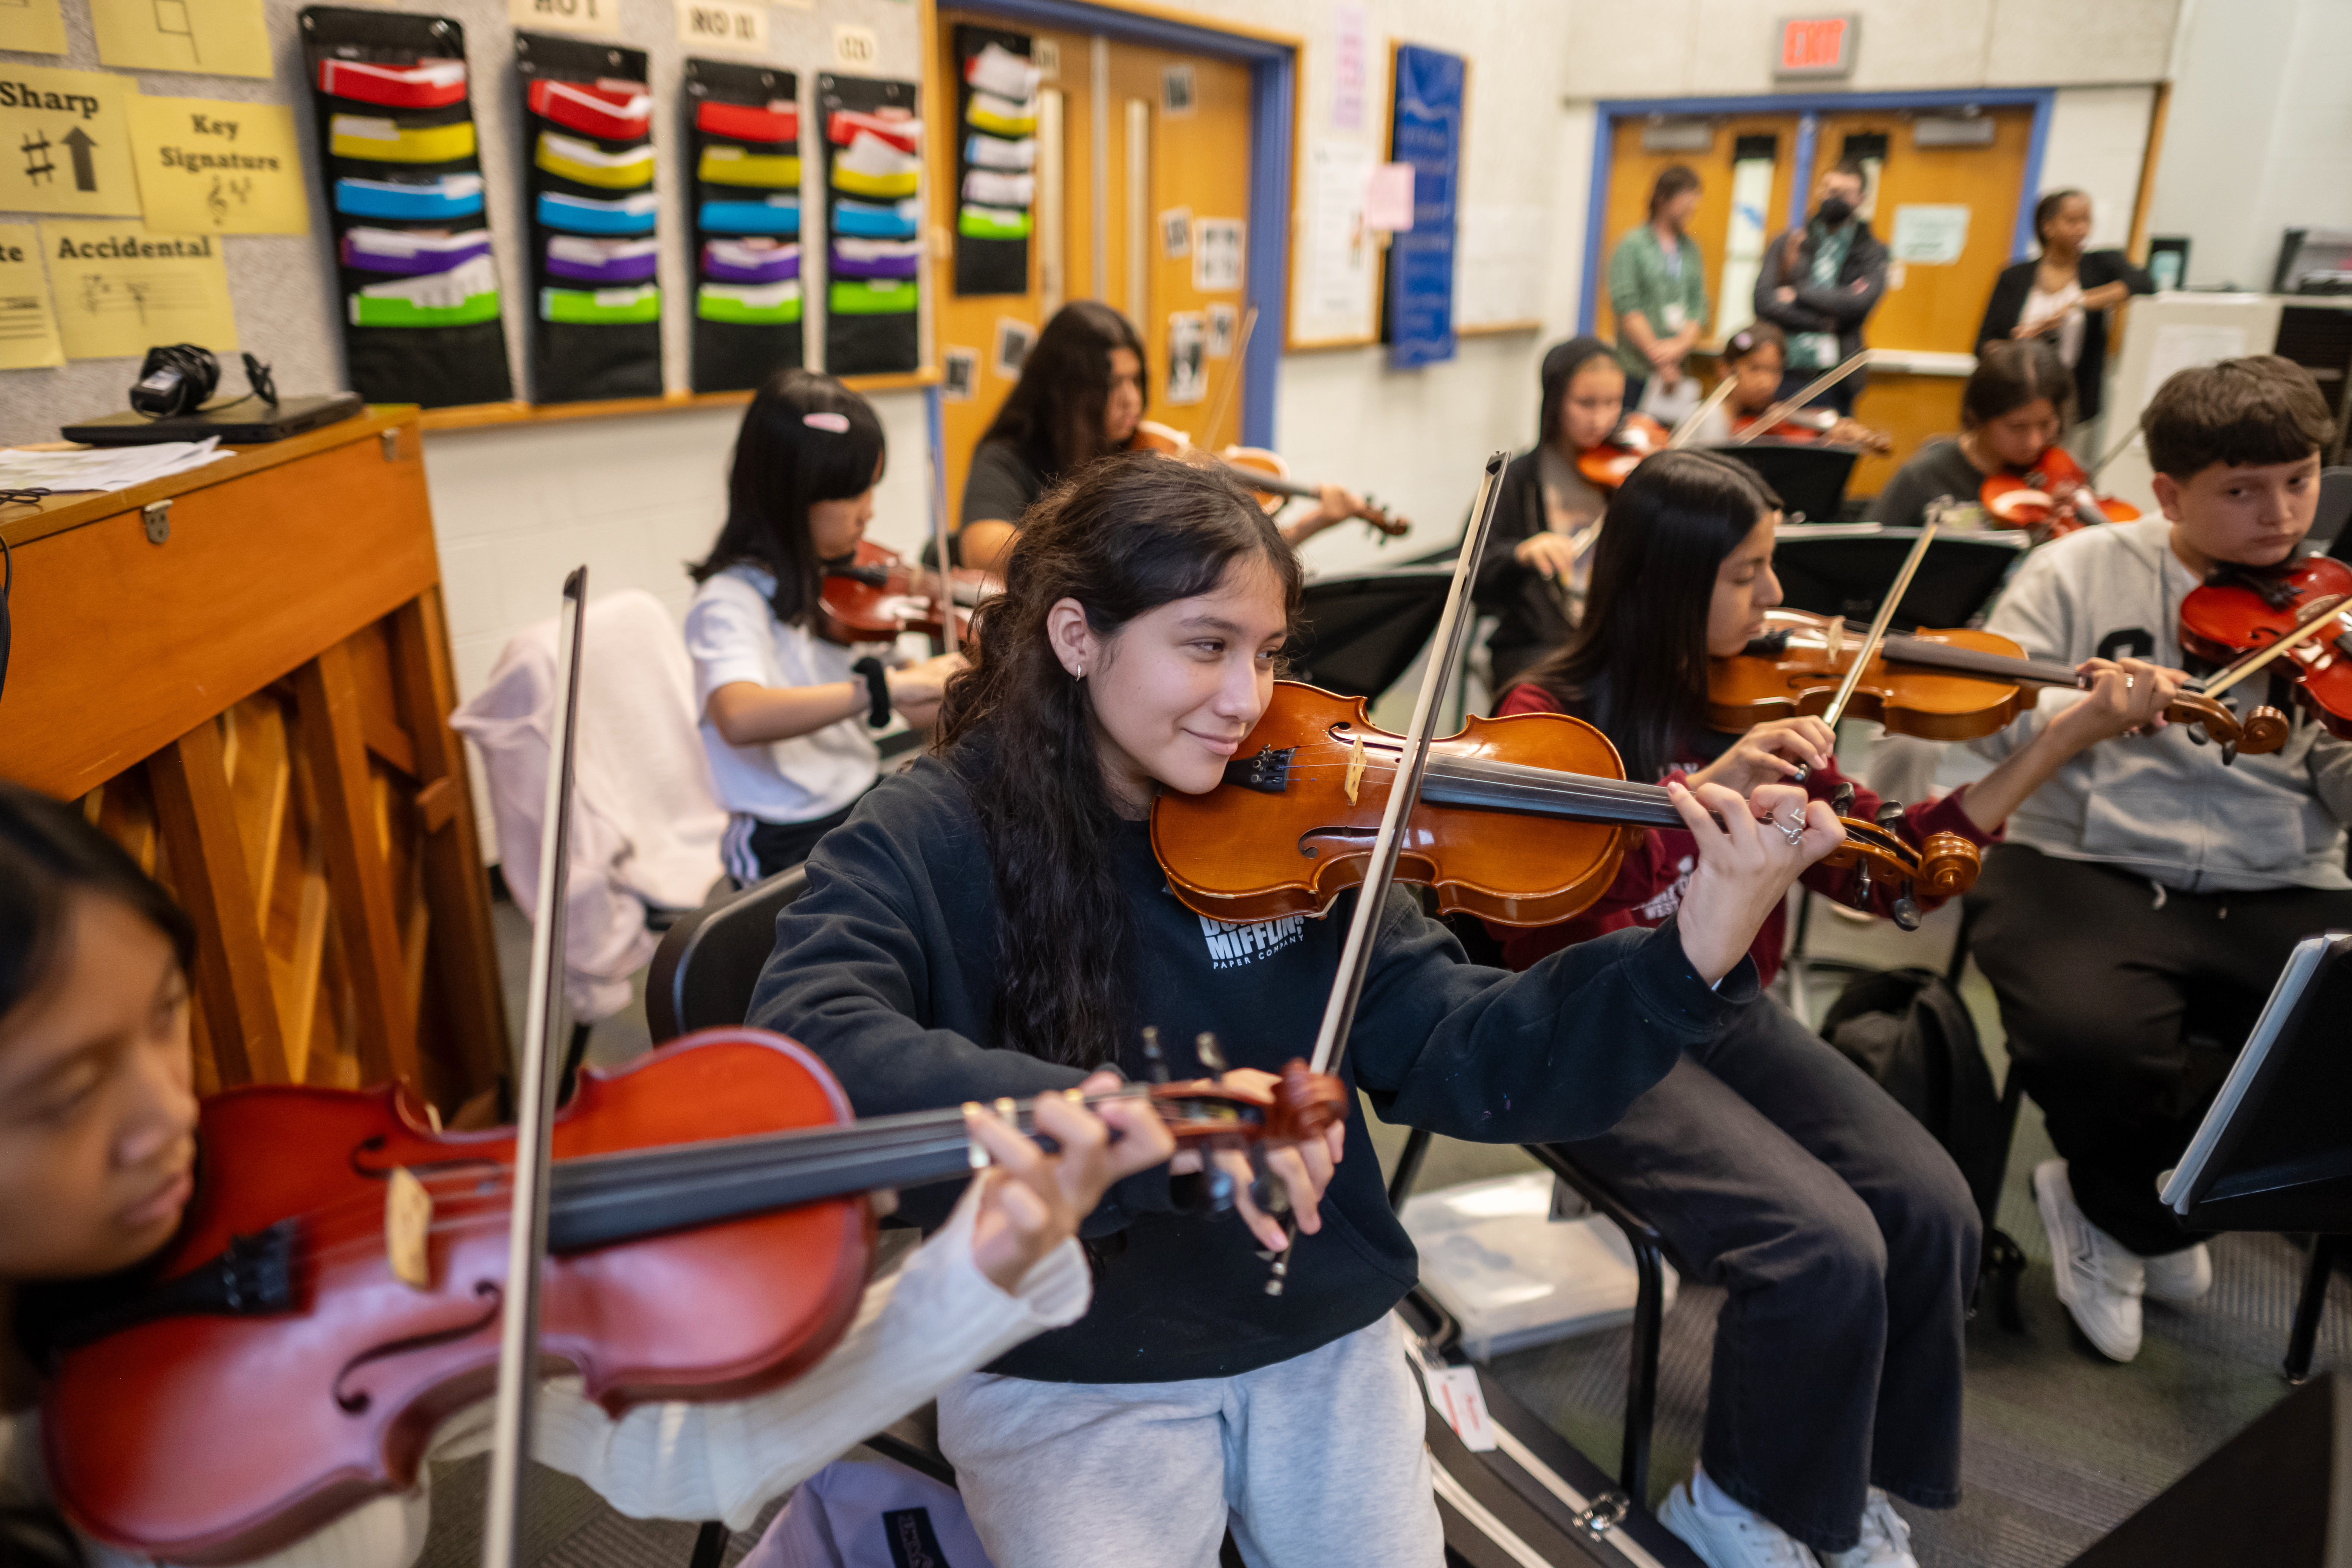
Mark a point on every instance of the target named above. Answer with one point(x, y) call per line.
point(283, 289)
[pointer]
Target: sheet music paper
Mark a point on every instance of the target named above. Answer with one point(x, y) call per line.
point(28, 327)
point(122, 289)
point(1342, 264)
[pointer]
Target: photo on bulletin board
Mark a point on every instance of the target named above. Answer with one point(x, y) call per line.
point(1188, 377)
point(1013, 337)
point(1223, 320)
point(1424, 130)
point(588, 152)
point(743, 143)
point(405, 199)
point(958, 370)
point(996, 160)
point(1176, 233)
point(873, 168)
point(1217, 255)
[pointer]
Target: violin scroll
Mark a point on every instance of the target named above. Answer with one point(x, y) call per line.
point(1946, 865)
point(1298, 1106)
point(2259, 733)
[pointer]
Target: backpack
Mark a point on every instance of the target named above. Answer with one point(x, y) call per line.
point(1908, 1030)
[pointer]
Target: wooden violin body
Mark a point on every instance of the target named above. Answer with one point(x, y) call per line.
point(1951, 685)
point(1262, 469)
point(709, 1237)
point(1636, 437)
point(1522, 820)
point(2224, 622)
point(2051, 498)
point(878, 596)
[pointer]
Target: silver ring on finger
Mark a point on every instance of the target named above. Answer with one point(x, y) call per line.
point(2129, 681)
point(1793, 832)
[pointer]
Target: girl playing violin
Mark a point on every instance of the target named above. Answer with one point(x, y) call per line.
point(994, 922)
point(1082, 393)
point(1844, 1235)
point(1756, 357)
point(2017, 403)
point(1536, 559)
point(98, 1160)
point(788, 716)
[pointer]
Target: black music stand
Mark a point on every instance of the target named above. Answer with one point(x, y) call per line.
point(1809, 476)
point(2274, 1151)
point(1359, 632)
point(1843, 569)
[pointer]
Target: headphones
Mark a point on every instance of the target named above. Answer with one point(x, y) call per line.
point(175, 379)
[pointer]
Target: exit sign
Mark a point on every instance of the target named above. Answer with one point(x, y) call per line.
point(1817, 46)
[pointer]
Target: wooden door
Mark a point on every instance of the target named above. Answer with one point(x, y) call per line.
point(1928, 306)
point(1634, 169)
point(1197, 160)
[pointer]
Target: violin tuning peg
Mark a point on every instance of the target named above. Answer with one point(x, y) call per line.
point(1890, 813)
point(1155, 1063)
point(1842, 799)
point(1204, 1046)
point(1905, 912)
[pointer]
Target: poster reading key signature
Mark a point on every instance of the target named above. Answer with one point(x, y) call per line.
point(64, 143)
point(206, 167)
point(121, 288)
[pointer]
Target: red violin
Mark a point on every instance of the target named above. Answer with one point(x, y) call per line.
point(2050, 497)
point(2307, 602)
point(336, 1287)
point(1622, 451)
point(875, 595)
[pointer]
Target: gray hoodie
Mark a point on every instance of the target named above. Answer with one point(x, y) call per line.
point(2162, 806)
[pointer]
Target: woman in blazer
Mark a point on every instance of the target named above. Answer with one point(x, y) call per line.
point(2065, 294)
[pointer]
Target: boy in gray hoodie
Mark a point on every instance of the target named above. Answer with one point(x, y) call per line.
point(2147, 896)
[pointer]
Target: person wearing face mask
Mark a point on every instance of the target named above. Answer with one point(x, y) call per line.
point(1549, 519)
point(1820, 282)
point(2064, 295)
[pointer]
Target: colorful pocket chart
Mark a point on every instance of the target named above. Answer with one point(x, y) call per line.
point(743, 130)
point(996, 101)
point(415, 256)
point(595, 239)
point(873, 266)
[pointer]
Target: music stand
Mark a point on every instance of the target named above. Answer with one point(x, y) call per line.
point(2275, 1153)
point(1809, 476)
point(1843, 568)
point(1359, 632)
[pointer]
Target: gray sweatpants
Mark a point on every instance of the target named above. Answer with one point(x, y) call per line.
point(1314, 1460)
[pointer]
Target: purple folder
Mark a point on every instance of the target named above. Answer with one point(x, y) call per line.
point(876, 266)
point(380, 250)
point(605, 262)
point(732, 261)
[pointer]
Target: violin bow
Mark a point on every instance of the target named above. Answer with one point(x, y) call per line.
point(1868, 649)
point(1691, 421)
point(946, 564)
point(2315, 621)
point(1771, 417)
point(1232, 382)
point(535, 1115)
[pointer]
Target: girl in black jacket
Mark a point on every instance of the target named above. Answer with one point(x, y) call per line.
point(2065, 294)
point(992, 921)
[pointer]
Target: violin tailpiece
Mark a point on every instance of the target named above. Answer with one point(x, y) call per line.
point(408, 1229)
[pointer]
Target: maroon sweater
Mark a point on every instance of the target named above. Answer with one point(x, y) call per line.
point(1651, 880)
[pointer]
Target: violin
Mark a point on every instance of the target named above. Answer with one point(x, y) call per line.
point(1521, 821)
point(2051, 497)
point(875, 596)
point(1806, 426)
point(1950, 685)
point(336, 1286)
point(1619, 452)
point(1259, 470)
point(2293, 617)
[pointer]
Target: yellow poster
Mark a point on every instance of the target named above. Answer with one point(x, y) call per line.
point(28, 327)
point(65, 142)
point(216, 37)
point(206, 167)
point(33, 27)
point(123, 289)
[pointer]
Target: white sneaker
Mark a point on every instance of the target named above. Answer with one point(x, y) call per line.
point(2100, 1281)
point(1885, 1539)
point(1727, 1540)
point(2180, 1276)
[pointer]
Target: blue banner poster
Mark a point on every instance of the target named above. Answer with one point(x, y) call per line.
point(1425, 132)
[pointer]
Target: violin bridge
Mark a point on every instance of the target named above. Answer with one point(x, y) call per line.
point(1355, 769)
point(1836, 640)
point(408, 1229)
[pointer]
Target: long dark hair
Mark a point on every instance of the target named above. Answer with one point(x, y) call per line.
point(1561, 364)
point(805, 439)
point(49, 853)
point(1636, 667)
point(2011, 372)
point(1054, 416)
point(1121, 537)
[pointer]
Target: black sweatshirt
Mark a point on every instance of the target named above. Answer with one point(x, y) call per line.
point(885, 969)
